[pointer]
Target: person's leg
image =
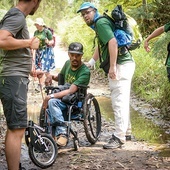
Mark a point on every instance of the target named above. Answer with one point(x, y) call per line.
point(13, 94)
point(55, 111)
point(120, 97)
point(13, 142)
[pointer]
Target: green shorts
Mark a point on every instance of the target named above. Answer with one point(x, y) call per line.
point(13, 95)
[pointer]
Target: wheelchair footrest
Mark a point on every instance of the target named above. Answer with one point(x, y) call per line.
point(76, 117)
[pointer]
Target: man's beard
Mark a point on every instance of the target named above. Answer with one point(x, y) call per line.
point(90, 23)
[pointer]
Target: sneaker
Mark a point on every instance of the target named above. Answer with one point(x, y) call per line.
point(113, 143)
point(61, 140)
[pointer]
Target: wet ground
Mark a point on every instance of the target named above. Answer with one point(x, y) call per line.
point(135, 154)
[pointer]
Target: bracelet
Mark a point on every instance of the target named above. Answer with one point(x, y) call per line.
point(92, 62)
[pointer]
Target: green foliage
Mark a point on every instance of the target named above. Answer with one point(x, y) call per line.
point(150, 80)
point(76, 30)
point(160, 46)
point(2, 13)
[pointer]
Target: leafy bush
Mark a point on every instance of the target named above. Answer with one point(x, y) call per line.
point(150, 80)
point(76, 30)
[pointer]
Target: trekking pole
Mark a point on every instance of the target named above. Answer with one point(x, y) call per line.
point(33, 70)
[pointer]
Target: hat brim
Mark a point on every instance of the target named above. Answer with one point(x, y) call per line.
point(86, 7)
point(75, 52)
point(41, 24)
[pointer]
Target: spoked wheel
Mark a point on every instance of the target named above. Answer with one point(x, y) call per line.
point(45, 153)
point(92, 118)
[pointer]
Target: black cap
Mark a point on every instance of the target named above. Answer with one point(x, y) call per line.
point(76, 48)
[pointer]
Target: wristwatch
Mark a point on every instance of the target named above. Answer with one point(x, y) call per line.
point(51, 95)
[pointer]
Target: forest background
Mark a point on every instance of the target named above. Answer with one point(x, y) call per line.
point(150, 81)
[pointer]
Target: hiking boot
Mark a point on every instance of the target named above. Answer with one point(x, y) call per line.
point(113, 143)
point(61, 140)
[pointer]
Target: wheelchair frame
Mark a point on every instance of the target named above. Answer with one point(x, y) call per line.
point(42, 147)
point(85, 108)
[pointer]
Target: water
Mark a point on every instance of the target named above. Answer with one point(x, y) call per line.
point(142, 128)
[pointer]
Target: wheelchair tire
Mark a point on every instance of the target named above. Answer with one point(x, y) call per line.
point(92, 118)
point(42, 117)
point(42, 158)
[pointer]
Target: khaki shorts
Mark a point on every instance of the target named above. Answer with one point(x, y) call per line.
point(13, 95)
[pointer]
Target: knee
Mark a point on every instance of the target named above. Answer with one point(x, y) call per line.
point(51, 102)
point(18, 133)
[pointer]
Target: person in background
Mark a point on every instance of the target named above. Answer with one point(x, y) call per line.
point(75, 73)
point(156, 33)
point(15, 67)
point(44, 56)
point(120, 73)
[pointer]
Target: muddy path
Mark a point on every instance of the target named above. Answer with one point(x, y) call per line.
point(134, 155)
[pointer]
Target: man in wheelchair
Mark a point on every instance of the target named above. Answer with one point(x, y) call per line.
point(75, 73)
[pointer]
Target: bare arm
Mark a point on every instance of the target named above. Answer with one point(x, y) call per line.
point(113, 52)
point(154, 34)
point(8, 42)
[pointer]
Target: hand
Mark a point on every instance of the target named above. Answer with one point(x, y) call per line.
point(35, 42)
point(46, 41)
point(146, 46)
point(39, 73)
point(33, 73)
point(112, 73)
point(87, 64)
point(48, 80)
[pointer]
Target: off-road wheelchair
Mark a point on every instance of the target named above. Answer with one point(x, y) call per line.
point(82, 107)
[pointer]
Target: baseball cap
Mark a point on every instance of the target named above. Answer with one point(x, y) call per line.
point(39, 21)
point(76, 48)
point(86, 5)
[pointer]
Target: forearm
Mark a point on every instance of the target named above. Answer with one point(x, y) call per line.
point(155, 33)
point(11, 43)
point(113, 51)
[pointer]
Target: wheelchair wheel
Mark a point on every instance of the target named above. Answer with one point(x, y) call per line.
point(92, 118)
point(47, 153)
point(42, 117)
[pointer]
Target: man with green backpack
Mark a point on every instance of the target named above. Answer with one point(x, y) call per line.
point(120, 69)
